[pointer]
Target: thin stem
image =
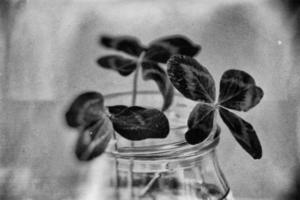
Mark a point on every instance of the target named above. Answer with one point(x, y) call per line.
point(130, 181)
point(133, 103)
point(117, 167)
point(134, 89)
point(134, 96)
point(148, 186)
point(199, 174)
point(135, 78)
point(215, 124)
point(116, 161)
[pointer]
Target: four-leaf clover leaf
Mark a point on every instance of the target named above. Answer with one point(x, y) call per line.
point(238, 91)
point(149, 58)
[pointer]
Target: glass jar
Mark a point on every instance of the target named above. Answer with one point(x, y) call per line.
point(168, 168)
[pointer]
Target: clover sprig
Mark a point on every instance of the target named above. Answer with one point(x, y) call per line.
point(149, 58)
point(238, 91)
point(97, 123)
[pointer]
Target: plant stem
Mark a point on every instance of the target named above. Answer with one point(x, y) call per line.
point(134, 89)
point(117, 167)
point(134, 96)
point(215, 124)
point(130, 181)
point(133, 103)
point(148, 186)
point(116, 163)
point(135, 78)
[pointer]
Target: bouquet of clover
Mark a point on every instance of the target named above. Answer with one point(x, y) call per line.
point(97, 124)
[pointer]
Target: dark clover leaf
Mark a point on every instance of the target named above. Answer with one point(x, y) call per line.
point(85, 109)
point(200, 123)
point(93, 139)
point(243, 132)
point(127, 44)
point(152, 71)
point(176, 44)
point(122, 65)
point(137, 123)
point(238, 91)
point(191, 79)
point(157, 54)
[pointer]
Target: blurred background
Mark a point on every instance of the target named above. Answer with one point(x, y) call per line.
point(48, 51)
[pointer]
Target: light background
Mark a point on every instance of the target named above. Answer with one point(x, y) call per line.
point(50, 58)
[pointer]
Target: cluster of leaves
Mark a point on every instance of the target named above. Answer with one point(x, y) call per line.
point(238, 91)
point(98, 123)
point(149, 58)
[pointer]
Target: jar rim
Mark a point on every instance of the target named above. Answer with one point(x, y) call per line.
point(164, 151)
point(175, 150)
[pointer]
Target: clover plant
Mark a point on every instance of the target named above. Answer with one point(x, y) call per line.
point(97, 123)
point(148, 58)
point(238, 91)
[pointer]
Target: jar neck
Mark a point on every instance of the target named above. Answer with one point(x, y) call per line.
point(173, 151)
point(163, 165)
point(166, 157)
